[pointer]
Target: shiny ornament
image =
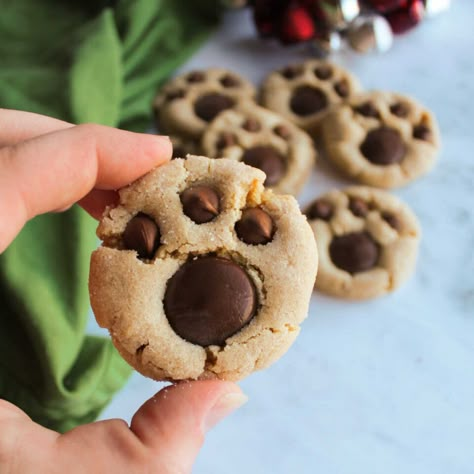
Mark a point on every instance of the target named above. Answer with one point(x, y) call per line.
point(333, 14)
point(298, 26)
point(369, 33)
point(325, 44)
point(322, 22)
point(268, 15)
point(407, 17)
point(434, 7)
point(386, 6)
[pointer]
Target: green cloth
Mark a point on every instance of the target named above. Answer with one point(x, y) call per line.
point(81, 61)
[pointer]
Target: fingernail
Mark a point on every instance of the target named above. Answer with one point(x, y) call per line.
point(223, 407)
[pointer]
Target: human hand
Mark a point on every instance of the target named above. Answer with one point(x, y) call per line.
point(48, 165)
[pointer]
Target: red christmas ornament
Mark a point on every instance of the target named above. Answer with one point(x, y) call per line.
point(267, 16)
point(297, 25)
point(386, 6)
point(405, 18)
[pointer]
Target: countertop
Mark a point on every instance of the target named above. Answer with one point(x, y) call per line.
point(383, 386)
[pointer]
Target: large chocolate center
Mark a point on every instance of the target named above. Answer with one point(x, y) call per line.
point(269, 160)
point(355, 252)
point(210, 105)
point(209, 299)
point(307, 100)
point(383, 146)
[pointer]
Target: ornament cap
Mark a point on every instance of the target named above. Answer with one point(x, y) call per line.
point(370, 33)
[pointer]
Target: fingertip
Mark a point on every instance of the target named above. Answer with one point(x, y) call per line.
point(223, 406)
point(159, 148)
point(177, 418)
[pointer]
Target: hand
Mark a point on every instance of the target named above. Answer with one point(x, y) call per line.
point(48, 165)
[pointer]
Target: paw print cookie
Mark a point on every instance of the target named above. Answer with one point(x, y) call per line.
point(265, 140)
point(186, 104)
point(202, 273)
point(303, 93)
point(367, 242)
point(382, 139)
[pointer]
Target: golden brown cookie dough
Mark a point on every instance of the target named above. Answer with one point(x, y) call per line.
point(265, 140)
point(202, 273)
point(187, 103)
point(367, 242)
point(382, 139)
point(303, 93)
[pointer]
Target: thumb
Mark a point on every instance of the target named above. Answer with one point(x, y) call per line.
point(173, 423)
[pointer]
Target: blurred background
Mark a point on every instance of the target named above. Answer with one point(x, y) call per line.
point(385, 385)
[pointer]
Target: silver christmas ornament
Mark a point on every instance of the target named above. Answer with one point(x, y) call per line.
point(433, 7)
point(369, 33)
point(323, 47)
point(338, 13)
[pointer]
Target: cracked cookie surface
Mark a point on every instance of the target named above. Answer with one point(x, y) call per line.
point(381, 139)
point(304, 93)
point(251, 253)
point(187, 103)
point(265, 140)
point(367, 242)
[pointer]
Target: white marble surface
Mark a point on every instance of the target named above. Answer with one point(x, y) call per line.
point(385, 386)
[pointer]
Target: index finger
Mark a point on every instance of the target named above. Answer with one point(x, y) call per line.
point(17, 126)
point(55, 170)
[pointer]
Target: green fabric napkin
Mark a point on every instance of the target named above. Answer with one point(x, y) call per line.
point(81, 61)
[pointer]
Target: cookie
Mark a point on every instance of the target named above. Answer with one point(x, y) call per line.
point(202, 273)
point(367, 242)
point(303, 93)
point(382, 139)
point(187, 103)
point(184, 146)
point(265, 140)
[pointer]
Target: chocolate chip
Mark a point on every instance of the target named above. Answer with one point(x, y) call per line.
point(230, 81)
point(209, 299)
point(267, 159)
point(307, 100)
point(392, 220)
point(422, 132)
point(251, 125)
point(367, 109)
point(178, 152)
point(290, 72)
point(255, 227)
point(358, 207)
point(383, 146)
point(200, 203)
point(143, 235)
point(177, 94)
point(195, 76)
point(282, 131)
point(225, 140)
point(210, 105)
point(320, 209)
point(323, 72)
point(399, 109)
point(355, 252)
point(342, 88)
